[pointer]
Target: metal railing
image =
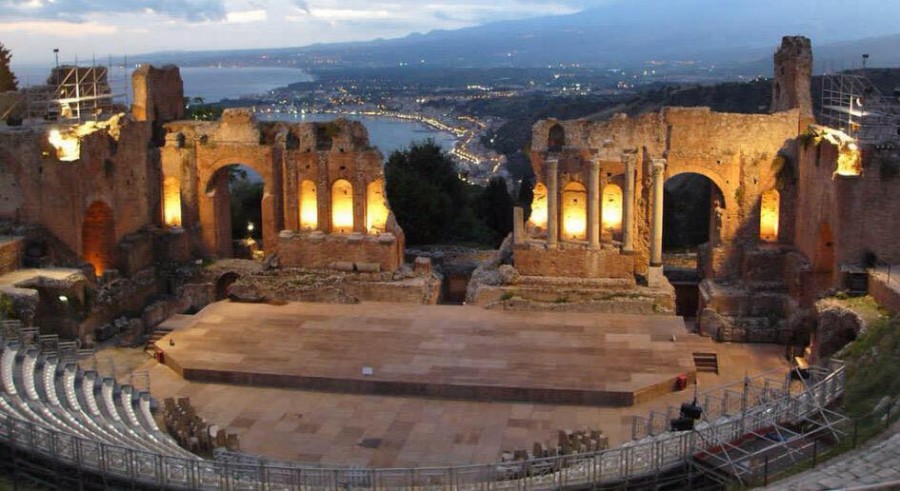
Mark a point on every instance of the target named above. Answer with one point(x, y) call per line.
point(631, 461)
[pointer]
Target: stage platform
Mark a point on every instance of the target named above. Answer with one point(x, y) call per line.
point(451, 352)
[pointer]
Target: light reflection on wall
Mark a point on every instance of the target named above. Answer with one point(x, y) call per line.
point(68, 146)
point(342, 207)
point(539, 206)
point(172, 202)
point(574, 208)
point(612, 208)
point(376, 210)
point(309, 207)
point(768, 215)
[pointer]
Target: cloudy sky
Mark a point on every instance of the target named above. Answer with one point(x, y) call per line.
point(32, 28)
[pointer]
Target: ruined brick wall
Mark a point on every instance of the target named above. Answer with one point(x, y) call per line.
point(841, 218)
point(737, 152)
point(114, 167)
point(793, 71)
point(574, 263)
point(158, 93)
point(324, 251)
point(285, 155)
point(11, 250)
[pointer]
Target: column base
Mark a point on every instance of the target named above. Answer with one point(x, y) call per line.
point(655, 276)
point(627, 251)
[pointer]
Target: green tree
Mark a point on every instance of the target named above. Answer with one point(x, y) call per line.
point(7, 77)
point(431, 203)
point(495, 208)
point(196, 108)
point(424, 192)
point(526, 196)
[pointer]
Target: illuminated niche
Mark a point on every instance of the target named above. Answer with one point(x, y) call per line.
point(539, 206)
point(309, 206)
point(342, 207)
point(376, 210)
point(574, 208)
point(172, 202)
point(768, 215)
point(612, 208)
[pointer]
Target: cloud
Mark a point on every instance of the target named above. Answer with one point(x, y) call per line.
point(79, 10)
point(63, 29)
point(350, 14)
point(244, 16)
point(301, 5)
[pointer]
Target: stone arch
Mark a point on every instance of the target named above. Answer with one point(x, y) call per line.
point(223, 284)
point(726, 189)
point(538, 216)
point(309, 205)
point(376, 208)
point(574, 211)
point(694, 212)
point(341, 207)
point(556, 138)
point(98, 237)
point(769, 209)
point(219, 233)
point(611, 208)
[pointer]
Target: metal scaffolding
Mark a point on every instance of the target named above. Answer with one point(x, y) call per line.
point(76, 94)
point(852, 104)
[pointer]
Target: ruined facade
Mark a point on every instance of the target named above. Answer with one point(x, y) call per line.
point(323, 202)
point(122, 197)
point(792, 203)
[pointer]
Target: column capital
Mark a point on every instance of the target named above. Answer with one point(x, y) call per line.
point(629, 156)
point(552, 161)
point(658, 166)
point(595, 165)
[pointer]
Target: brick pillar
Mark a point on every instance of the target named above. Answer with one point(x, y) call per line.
point(552, 202)
point(659, 166)
point(628, 158)
point(593, 212)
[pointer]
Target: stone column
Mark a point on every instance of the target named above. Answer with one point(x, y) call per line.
point(659, 166)
point(593, 211)
point(628, 158)
point(552, 202)
point(518, 225)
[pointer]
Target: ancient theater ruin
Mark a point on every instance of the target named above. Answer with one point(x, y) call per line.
point(320, 361)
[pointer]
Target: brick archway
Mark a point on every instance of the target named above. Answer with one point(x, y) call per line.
point(215, 201)
point(98, 237)
point(709, 212)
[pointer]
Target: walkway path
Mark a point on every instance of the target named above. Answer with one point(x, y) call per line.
point(875, 465)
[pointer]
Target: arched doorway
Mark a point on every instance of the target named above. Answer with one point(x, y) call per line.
point(223, 284)
point(341, 207)
point(574, 211)
point(309, 206)
point(769, 208)
point(693, 214)
point(611, 214)
point(98, 237)
point(235, 226)
point(376, 208)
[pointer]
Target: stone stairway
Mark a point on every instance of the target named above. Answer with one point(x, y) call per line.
point(707, 362)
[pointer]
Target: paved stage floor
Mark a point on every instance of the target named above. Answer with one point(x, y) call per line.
point(429, 342)
point(442, 351)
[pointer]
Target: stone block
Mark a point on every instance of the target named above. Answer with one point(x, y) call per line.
point(368, 267)
point(341, 266)
point(422, 266)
